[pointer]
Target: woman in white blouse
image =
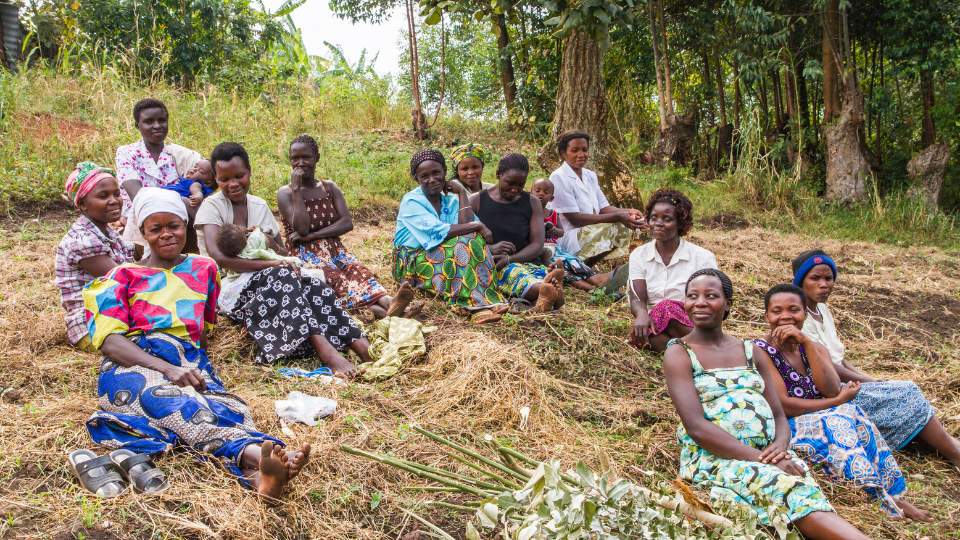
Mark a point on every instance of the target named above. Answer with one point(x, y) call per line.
point(594, 228)
point(659, 271)
point(151, 162)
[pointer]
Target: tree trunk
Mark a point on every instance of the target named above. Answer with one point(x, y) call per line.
point(927, 171)
point(507, 76)
point(417, 118)
point(676, 142)
point(831, 71)
point(656, 67)
point(665, 50)
point(804, 103)
point(720, 95)
point(777, 100)
point(582, 104)
point(764, 106)
point(849, 161)
point(737, 98)
point(928, 130)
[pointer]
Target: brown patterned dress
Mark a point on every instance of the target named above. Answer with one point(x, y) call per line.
point(353, 282)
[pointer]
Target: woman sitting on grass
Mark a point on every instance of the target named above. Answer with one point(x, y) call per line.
point(827, 428)
point(659, 271)
point(151, 162)
point(439, 248)
point(314, 215)
point(898, 408)
point(91, 248)
point(288, 315)
point(734, 437)
point(515, 219)
point(468, 161)
point(593, 228)
point(156, 385)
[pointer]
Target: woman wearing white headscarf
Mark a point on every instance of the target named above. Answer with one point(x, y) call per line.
point(156, 386)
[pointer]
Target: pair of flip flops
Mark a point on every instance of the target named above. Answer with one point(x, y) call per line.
point(108, 476)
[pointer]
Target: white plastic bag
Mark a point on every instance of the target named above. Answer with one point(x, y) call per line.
point(303, 408)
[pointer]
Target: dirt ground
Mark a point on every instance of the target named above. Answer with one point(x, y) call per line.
point(592, 396)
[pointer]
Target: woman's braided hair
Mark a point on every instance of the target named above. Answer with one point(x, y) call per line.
point(513, 162)
point(427, 154)
point(725, 284)
point(307, 140)
point(679, 201)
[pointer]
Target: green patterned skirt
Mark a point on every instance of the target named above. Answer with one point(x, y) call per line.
point(460, 270)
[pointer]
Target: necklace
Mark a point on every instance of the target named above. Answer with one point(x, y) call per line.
point(817, 312)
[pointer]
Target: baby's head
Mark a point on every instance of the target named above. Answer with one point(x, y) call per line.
point(231, 239)
point(543, 189)
point(203, 172)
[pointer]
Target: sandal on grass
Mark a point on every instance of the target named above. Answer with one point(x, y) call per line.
point(96, 474)
point(618, 278)
point(486, 317)
point(142, 473)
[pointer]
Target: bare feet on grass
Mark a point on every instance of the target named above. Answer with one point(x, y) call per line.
point(414, 310)
point(555, 277)
point(402, 299)
point(273, 472)
point(297, 460)
point(548, 297)
point(911, 512)
point(339, 365)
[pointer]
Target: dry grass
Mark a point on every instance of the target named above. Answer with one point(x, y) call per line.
point(591, 397)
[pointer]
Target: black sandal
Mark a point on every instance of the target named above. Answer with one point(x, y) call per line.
point(97, 475)
point(142, 473)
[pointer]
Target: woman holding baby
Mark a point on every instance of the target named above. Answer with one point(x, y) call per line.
point(288, 315)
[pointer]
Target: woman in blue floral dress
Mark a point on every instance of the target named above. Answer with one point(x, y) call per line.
point(734, 435)
point(826, 427)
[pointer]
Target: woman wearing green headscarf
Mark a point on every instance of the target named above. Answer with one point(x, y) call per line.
point(468, 160)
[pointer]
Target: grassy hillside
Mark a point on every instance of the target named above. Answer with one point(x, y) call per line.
point(592, 396)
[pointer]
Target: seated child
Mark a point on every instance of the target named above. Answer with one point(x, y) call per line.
point(232, 241)
point(198, 183)
point(578, 274)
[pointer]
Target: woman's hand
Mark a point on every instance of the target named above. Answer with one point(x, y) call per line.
point(290, 266)
point(784, 335)
point(774, 453)
point(790, 467)
point(295, 238)
point(296, 179)
point(640, 332)
point(484, 233)
point(184, 377)
point(627, 218)
point(849, 391)
point(501, 261)
point(503, 248)
point(453, 187)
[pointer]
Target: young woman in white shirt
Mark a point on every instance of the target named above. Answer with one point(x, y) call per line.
point(594, 228)
point(659, 271)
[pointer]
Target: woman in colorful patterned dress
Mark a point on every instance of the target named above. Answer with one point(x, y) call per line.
point(91, 248)
point(156, 385)
point(898, 408)
point(439, 248)
point(515, 219)
point(734, 436)
point(827, 427)
point(314, 216)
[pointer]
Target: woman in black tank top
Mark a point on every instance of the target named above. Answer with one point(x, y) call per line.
point(515, 218)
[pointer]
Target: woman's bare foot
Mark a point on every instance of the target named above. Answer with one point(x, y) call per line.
point(402, 299)
point(273, 472)
point(912, 512)
point(555, 278)
point(340, 365)
point(414, 310)
point(547, 298)
point(297, 460)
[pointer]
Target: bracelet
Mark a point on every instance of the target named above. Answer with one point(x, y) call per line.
point(468, 208)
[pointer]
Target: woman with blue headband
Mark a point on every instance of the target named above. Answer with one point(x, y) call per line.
point(898, 408)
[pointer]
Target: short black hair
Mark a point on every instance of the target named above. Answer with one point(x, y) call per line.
point(679, 201)
point(568, 136)
point(148, 103)
point(784, 288)
point(231, 239)
point(725, 284)
point(309, 141)
point(513, 162)
point(226, 151)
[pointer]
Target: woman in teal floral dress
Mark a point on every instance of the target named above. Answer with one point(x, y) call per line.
point(734, 435)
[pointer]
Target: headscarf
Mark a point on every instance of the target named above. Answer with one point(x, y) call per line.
point(427, 154)
point(153, 200)
point(465, 151)
point(805, 262)
point(83, 179)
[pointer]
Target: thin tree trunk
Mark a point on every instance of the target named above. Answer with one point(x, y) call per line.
point(777, 101)
point(507, 76)
point(764, 108)
point(831, 71)
point(873, 76)
point(883, 88)
point(721, 98)
point(928, 130)
point(418, 119)
point(656, 67)
point(707, 83)
point(737, 98)
point(668, 86)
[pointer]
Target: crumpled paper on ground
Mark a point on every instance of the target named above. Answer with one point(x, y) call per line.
point(304, 408)
point(393, 342)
